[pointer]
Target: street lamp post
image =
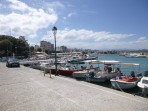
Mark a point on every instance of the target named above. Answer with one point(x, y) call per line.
point(54, 30)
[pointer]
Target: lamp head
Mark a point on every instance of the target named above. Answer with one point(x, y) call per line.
point(54, 30)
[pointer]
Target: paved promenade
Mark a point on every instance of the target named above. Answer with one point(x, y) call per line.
point(26, 89)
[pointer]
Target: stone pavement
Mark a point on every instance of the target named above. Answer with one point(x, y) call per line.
point(26, 89)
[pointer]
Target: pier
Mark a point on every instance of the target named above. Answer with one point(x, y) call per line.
point(26, 89)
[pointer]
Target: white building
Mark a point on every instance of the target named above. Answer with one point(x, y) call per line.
point(62, 49)
point(36, 47)
point(46, 46)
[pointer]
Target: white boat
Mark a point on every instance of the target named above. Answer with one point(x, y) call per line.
point(103, 75)
point(125, 82)
point(95, 78)
point(35, 65)
point(143, 83)
point(140, 56)
point(80, 74)
point(83, 72)
point(136, 55)
point(44, 65)
point(131, 55)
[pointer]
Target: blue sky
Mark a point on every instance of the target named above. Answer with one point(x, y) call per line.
point(87, 24)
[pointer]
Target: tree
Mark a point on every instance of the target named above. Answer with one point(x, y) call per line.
point(31, 48)
point(10, 45)
point(5, 46)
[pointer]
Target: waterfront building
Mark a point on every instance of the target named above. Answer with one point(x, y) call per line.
point(36, 47)
point(46, 46)
point(62, 49)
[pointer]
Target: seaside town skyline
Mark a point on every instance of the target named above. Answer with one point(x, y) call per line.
point(97, 24)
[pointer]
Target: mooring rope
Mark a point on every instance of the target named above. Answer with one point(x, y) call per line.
point(118, 86)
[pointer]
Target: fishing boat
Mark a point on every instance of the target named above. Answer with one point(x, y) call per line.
point(126, 82)
point(80, 74)
point(143, 83)
point(71, 67)
point(67, 71)
point(35, 65)
point(93, 77)
point(84, 70)
point(111, 69)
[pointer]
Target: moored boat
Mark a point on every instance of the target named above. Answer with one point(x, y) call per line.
point(67, 70)
point(93, 77)
point(124, 82)
point(143, 83)
point(80, 74)
point(106, 74)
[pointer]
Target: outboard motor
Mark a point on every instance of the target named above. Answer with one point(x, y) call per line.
point(146, 73)
point(132, 73)
point(92, 74)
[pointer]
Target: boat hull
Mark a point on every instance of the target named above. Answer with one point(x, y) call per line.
point(67, 72)
point(79, 74)
point(143, 84)
point(122, 84)
point(143, 89)
point(95, 79)
point(100, 76)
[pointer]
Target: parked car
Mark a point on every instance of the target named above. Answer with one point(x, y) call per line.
point(12, 63)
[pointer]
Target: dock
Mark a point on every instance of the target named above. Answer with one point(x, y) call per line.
point(26, 89)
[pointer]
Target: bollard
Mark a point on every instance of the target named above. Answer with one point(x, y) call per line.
point(44, 71)
point(50, 72)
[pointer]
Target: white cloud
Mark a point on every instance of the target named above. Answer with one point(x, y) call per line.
point(89, 39)
point(140, 43)
point(142, 40)
point(69, 15)
point(26, 23)
point(83, 35)
point(18, 5)
point(56, 5)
